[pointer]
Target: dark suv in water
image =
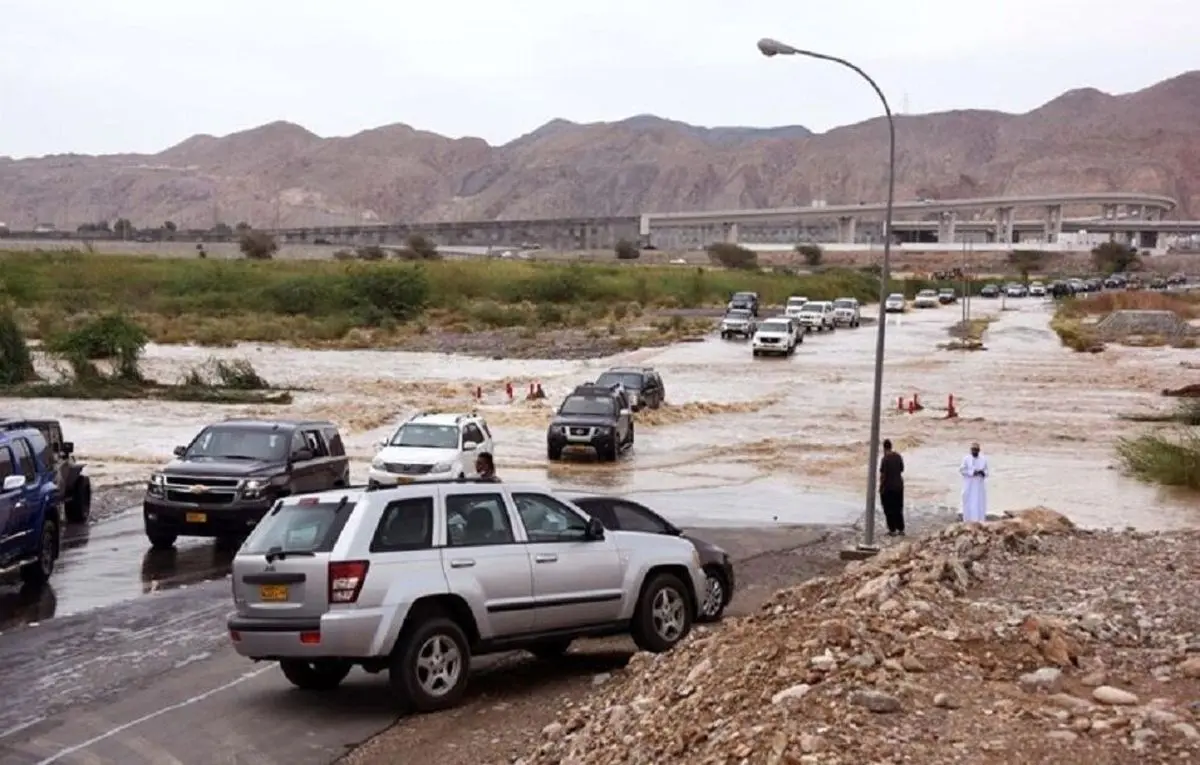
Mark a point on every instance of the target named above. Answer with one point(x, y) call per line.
point(74, 488)
point(227, 478)
point(591, 417)
point(643, 385)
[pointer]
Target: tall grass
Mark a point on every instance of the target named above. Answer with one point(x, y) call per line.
point(1186, 305)
point(1169, 460)
point(222, 301)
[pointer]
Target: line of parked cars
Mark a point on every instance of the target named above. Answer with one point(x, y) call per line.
point(782, 334)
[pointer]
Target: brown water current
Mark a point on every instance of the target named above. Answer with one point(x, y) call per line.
point(742, 441)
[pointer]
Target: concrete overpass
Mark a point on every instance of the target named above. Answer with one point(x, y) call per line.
point(1145, 208)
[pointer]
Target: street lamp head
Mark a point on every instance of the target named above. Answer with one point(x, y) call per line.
point(769, 47)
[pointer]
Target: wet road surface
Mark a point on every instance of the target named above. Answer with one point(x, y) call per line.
point(128, 660)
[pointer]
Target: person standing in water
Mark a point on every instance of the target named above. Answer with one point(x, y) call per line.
point(891, 489)
point(974, 472)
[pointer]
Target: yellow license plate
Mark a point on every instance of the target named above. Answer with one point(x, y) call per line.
point(273, 593)
point(403, 479)
point(197, 517)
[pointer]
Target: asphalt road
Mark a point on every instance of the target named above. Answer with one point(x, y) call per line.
point(154, 680)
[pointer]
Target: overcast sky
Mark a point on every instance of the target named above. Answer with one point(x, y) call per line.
point(104, 76)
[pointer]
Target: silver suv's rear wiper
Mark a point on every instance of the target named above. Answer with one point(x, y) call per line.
point(278, 553)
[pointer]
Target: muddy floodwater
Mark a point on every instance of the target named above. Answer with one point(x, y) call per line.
point(742, 441)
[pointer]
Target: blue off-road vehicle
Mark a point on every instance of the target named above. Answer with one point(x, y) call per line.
point(31, 515)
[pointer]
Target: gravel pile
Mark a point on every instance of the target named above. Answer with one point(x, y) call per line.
point(1023, 640)
point(1127, 323)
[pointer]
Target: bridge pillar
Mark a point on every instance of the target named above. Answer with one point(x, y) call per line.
point(1109, 212)
point(946, 227)
point(1053, 227)
point(846, 229)
point(1004, 225)
point(731, 233)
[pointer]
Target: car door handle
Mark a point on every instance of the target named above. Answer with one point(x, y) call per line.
point(462, 563)
point(545, 558)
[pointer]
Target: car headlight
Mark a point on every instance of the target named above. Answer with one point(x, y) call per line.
point(377, 463)
point(256, 486)
point(156, 484)
point(441, 467)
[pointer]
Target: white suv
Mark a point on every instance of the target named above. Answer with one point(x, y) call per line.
point(795, 304)
point(818, 315)
point(417, 580)
point(430, 447)
point(777, 335)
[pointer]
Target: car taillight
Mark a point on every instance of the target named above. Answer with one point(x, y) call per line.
point(346, 580)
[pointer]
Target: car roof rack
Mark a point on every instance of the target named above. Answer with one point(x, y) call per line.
point(459, 417)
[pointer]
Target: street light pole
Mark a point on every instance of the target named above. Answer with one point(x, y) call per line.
point(769, 48)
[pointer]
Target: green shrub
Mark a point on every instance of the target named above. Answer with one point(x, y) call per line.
point(1167, 460)
point(732, 256)
point(16, 362)
point(627, 250)
point(112, 337)
point(395, 291)
point(811, 253)
point(257, 245)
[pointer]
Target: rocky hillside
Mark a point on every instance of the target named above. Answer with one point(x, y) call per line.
point(1084, 140)
point(1024, 640)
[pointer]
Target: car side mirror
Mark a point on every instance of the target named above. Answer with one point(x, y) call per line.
point(470, 446)
point(14, 482)
point(595, 529)
point(180, 451)
point(381, 443)
point(302, 455)
point(68, 448)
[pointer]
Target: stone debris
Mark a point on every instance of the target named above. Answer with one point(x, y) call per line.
point(1129, 323)
point(1024, 640)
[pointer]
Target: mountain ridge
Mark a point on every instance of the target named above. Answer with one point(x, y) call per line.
point(1083, 140)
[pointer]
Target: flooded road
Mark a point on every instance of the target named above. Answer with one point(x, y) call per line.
point(742, 441)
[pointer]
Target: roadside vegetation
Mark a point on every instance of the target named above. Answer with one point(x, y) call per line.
point(98, 358)
point(1074, 318)
point(1169, 458)
point(366, 301)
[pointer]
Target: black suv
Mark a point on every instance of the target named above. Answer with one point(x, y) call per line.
point(223, 483)
point(74, 487)
point(591, 417)
point(745, 300)
point(643, 385)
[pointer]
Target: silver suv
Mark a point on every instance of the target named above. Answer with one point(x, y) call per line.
point(417, 579)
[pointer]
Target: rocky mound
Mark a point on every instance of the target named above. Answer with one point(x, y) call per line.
point(1023, 640)
point(1128, 323)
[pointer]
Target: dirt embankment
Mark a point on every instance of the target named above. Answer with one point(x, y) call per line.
point(1023, 640)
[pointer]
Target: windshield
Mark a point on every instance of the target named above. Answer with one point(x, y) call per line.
point(793, 301)
point(299, 528)
point(843, 304)
point(595, 406)
point(946, 291)
point(426, 436)
point(773, 326)
point(231, 442)
point(746, 296)
point(926, 293)
point(630, 380)
point(738, 314)
point(895, 296)
point(816, 307)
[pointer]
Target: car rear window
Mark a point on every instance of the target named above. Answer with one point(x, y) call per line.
point(299, 527)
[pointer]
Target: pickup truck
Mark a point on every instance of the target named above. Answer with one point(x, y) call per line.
point(31, 515)
point(817, 315)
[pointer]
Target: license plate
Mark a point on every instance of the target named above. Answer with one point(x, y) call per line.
point(575, 449)
point(273, 593)
point(403, 479)
point(196, 517)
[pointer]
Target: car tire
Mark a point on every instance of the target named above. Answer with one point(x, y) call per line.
point(161, 540)
point(755, 352)
point(553, 454)
point(663, 615)
point(550, 649)
point(613, 452)
point(429, 668)
point(79, 506)
point(716, 596)
point(319, 675)
point(39, 571)
point(629, 443)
